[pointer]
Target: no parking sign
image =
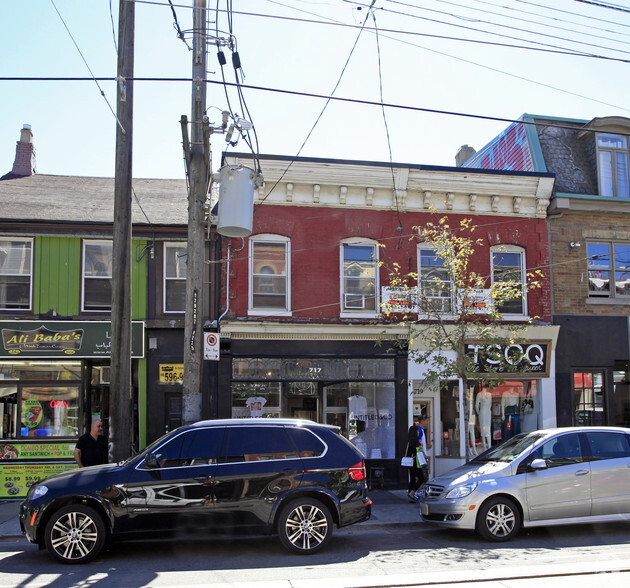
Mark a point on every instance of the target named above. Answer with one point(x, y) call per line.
point(211, 346)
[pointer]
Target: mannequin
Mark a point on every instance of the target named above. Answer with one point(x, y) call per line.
point(471, 435)
point(510, 412)
point(483, 406)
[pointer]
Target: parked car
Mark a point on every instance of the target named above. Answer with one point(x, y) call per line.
point(294, 478)
point(548, 477)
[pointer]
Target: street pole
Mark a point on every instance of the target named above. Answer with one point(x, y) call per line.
point(199, 174)
point(121, 390)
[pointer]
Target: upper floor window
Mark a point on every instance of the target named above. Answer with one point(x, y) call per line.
point(359, 281)
point(608, 263)
point(508, 265)
point(15, 273)
point(435, 283)
point(97, 275)
point(175, 277)
point(612, 153)
point(269, 272)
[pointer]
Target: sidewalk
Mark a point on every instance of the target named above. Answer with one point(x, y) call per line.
point(389, 507)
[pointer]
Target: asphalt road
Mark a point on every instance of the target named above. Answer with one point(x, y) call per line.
point(383, 555)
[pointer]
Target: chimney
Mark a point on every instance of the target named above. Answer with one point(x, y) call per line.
point(24, 164)
point(464, 153)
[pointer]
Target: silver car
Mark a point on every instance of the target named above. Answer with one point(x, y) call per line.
point(547, 477)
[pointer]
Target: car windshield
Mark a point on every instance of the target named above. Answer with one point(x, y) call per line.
point(509, 450)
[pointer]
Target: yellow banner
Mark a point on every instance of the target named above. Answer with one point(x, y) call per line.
point(171, 373)
point(38, 451)
point(16, 479)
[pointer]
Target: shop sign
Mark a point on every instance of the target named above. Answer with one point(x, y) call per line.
point(399, 299)
point(38, 451)
point(528, 358)
point(171, 373)
point(18, 478)
point(55, 339)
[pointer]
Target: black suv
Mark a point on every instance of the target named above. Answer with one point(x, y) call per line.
point(290, 477)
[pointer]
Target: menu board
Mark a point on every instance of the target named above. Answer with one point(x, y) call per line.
point(16, 479)
point(37, 451)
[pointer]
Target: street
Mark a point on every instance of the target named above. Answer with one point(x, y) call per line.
point(408, 554)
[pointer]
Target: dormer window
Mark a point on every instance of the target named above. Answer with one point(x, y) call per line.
point(612, 153)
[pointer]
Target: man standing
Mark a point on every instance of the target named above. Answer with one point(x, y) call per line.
point(91, 448)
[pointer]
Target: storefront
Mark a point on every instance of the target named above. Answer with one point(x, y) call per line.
point(464, 423)
point(54, 377)
point(339, 379)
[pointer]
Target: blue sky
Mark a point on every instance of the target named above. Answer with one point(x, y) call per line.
point(74, 130)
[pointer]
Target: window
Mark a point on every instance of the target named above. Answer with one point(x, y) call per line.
point(175, 277)
point(269, 275)
point(202, 446)
point(434, 281)
point(15, 274)
point(588, 397)
point(97, 275)
point(612, 153)
point(49, 411)
point(608, 261)
point(508, 265)
point(560, 451)
point(359, 285)
point(257, 444)
point(608, 445)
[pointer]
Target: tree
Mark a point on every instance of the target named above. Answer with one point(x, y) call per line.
point(459, 332)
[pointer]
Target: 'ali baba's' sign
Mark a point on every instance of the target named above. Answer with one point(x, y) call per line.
point(42, 339)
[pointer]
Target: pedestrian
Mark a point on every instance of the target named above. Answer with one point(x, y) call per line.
point(416, 443)
point(91, 448)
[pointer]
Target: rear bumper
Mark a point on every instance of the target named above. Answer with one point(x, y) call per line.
point(355, 511)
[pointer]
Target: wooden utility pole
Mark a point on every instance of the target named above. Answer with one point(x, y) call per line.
point(197, 155)
point(121, 389)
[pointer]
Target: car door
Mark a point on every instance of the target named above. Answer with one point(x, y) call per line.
point(563, 488)
point(259, 464)
point(610, 471)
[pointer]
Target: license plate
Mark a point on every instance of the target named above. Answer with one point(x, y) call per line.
point(424, 509)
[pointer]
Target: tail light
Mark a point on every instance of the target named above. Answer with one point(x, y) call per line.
point(357, 471)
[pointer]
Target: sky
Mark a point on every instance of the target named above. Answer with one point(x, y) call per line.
point(299, 46)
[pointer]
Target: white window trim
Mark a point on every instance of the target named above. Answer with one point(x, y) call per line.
point(613, 152)
point(453, 303)
point(377, 286)
point(513, 249)
point(30, 289)
point(251, 311)
point(84, 244)
point(612, 297)
point(170, 245)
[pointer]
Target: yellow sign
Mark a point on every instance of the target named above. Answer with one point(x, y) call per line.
point(171, 373)
point(17, 478)
point(37, 451)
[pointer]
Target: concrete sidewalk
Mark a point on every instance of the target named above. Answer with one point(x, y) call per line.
point(389, 507)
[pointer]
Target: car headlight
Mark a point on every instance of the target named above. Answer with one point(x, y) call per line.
point(39, 491)
point(461, 491)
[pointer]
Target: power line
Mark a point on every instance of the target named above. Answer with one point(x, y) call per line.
point(602, 5)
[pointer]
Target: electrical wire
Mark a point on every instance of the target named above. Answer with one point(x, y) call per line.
point(94, 79)
point(111, 18)
point(180, 34)
point(602, 5)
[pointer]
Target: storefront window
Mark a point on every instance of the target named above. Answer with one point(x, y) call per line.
point(622, 397)
point(450, 418)
point(254, 400)
point(40, 370)
point(50, 411)
point(588, 396)
point(8, 412)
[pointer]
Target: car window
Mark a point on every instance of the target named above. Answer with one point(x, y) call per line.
point(167, 455)
point(308, 444)
point(608, 445)
point(257, 444)
point(202, 446)
point(560, 451)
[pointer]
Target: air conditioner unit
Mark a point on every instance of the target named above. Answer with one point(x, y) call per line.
point(104, 375)
point(354, 301)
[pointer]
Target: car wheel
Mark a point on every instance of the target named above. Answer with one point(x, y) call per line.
point(305, 526)
point(499, 519)
point(75, 534)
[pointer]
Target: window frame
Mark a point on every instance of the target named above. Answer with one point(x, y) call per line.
point(166, 279)
point(611, 269)
point(512, 249)
point(29, 306)
point(612, 166)
point(422, 311)
point(358, 313)
point(85, 244)
point(268, 310)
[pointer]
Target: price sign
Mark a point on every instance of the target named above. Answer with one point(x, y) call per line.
point(171, 373)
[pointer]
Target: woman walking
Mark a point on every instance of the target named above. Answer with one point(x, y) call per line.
point(416, 443)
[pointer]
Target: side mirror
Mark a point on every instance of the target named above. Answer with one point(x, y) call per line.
point(538, 464)
point(150, 461)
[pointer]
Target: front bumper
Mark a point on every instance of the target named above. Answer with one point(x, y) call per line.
point(449, 513)
point(29, 519)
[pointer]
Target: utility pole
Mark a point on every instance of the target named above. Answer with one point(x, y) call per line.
point(121, 390)
point(198, 159)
